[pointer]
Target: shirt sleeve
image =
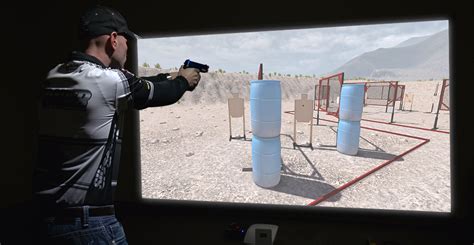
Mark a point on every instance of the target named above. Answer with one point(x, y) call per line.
point(155, 90)
point(123, 88)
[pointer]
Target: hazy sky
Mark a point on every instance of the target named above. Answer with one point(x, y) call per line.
point(299, 51)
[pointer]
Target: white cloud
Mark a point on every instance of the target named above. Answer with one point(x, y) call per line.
point(252, 41)
point(300, 51)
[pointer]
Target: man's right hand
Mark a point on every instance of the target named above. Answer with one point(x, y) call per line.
point(191, 74)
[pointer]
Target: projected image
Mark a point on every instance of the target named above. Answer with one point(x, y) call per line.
point(350, 117)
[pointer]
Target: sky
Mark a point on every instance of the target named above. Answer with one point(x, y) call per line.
point(314, 51)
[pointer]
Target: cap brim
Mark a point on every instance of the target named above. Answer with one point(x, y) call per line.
point(130, 35)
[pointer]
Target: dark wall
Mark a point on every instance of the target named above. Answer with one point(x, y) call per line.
point(37, 37)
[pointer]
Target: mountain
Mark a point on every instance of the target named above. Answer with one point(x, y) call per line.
point(418, 58)
point(412, 41)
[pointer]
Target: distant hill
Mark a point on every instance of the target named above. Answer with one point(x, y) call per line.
point(412, 41)
point(218, 87)
point(419, 58)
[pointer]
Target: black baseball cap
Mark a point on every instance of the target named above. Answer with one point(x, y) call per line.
point(101, 20)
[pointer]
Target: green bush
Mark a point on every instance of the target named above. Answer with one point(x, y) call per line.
point(145, 64)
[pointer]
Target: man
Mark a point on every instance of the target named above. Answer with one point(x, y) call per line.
point(80, 114)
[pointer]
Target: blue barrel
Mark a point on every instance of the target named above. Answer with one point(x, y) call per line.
point(266, 161)
point(265, 108)
point(352, 102)
point(348, 133)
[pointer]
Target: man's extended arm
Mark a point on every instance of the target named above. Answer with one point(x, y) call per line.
point(156, 90)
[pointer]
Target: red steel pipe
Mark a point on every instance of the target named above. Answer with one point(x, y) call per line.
point(339, 189)
point(407, 126)
point(394, 124)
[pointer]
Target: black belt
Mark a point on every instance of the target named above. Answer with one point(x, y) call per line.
point(80, 211)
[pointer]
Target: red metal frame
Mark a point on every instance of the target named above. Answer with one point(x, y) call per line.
point(324, 83)
point(400, 94)
point(357, 179)
point(394, 85)
point(391, 85)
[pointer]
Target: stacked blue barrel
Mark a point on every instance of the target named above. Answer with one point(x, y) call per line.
point(265, 113)
point(350, 114)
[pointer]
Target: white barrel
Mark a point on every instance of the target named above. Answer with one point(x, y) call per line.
point(352, 102)
point(265, 107)
point(348, 133)
point(266, 161)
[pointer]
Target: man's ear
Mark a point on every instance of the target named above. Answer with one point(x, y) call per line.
point(113, 40)
point(111, 43)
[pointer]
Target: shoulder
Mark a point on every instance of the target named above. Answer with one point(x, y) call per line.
point(87, 70)
point(95, 71)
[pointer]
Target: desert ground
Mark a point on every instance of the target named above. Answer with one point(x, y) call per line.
point(186, 153)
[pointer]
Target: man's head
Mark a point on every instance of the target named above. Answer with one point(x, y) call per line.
point(105, 32)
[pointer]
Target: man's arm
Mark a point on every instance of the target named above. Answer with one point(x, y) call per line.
point(161, 77)
point(157, 90)
point(162, 89)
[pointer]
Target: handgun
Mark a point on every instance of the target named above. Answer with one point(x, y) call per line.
point(191, 64)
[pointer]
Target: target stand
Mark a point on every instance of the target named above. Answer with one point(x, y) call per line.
point(408, 99)
point(303, 113)
point(236, 110)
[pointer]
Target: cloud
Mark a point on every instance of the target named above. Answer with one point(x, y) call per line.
point(251, 41)
point(299, 51)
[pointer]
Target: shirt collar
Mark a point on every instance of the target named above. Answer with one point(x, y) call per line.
point(76, 55)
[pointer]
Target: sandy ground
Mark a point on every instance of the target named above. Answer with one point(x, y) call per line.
point(186, 155)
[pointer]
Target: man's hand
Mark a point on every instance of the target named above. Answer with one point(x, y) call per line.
point(191, 74)
point(173, 75)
